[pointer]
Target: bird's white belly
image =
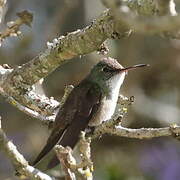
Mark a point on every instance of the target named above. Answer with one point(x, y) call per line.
point(108, 103)
point(105, 111)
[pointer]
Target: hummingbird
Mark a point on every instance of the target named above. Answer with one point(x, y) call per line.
point(90, 103)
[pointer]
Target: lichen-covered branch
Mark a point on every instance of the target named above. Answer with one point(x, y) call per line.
point(152, 25)
point(64, 155)
point(79, 42)
point(114, 127)
point(20, 164)
point(142, 133)
point(18, 83)
point(149, 17)
point(45, 109)
point(74, 170)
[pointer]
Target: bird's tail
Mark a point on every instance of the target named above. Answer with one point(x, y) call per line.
point(51, 142)
point(70, 138)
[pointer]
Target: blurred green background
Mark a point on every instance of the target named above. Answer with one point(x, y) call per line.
point(156, 90)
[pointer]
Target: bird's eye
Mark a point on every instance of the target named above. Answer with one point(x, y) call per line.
point(107, 69)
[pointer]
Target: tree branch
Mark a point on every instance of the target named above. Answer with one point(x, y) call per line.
point(18, 161)
point(142, 133)
point(13, 29)
point(45, 109)
point(113, 126)
point(18, 83)
point(149, 17)
point(74, 170)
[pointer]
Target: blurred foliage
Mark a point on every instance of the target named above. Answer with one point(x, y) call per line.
point(156, 90)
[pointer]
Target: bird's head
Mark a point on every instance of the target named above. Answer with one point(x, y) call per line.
point(109, 72)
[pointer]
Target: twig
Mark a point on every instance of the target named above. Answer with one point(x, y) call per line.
point(25, 17)
point(85, 167)
point(114, 127)
point(64, 155)
point(142, 133)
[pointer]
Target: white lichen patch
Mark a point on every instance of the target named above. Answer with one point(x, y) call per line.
point(38, 173)
point(54, 44)
point(76, 32)
point(41, 101)
point(4, 71)
point(12, 148)
point(60, 38)
point(3, 74)
point(49, 45)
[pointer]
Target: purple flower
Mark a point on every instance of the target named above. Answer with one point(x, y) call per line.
point(161, 160)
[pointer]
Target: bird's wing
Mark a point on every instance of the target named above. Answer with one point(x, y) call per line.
point(87, 108)
point(72, 118)
point(63, 118)
point(52, 140)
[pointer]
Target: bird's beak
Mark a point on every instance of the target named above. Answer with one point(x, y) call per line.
point(133, 67)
